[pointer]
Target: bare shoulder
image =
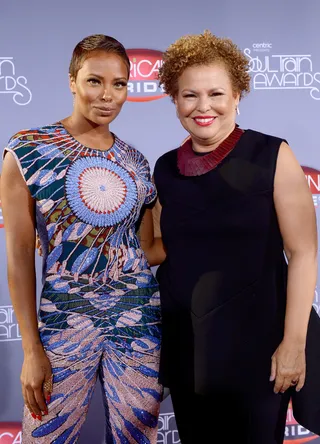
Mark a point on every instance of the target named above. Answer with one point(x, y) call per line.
point(16, 199)
point(288, 169)
point(11, 174)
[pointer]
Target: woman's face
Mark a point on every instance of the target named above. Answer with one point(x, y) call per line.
point(100, 88)
point(206, 103)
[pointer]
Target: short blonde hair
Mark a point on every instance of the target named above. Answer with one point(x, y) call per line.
point(94, 43)
point(204, 49)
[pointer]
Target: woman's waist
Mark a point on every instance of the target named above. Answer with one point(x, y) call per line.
point(101, 281)
point(200, 274)
point(223, 267)
point(95, 263)
point(98, 300)
point(202, 291)
point(111, 312)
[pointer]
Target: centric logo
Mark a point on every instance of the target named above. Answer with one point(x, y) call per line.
point(262, 47)
point(143, 85)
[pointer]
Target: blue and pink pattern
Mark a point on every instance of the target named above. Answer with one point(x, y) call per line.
point(99, 191)
point(100, 311)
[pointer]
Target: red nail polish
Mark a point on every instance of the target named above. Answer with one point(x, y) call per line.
point(48, 398)
point(45, 412)
point(39, 417)
point(33, 416)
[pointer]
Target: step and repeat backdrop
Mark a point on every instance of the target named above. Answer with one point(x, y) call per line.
point(281, 41)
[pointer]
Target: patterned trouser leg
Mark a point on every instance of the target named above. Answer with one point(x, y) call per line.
point(75, 356)
point(132, 393)
point(128, 366)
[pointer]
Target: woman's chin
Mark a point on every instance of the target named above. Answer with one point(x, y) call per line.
point(100, 120)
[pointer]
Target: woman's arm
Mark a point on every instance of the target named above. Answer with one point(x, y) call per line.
point(297, 221)
point(150, 235)
point(19, 221)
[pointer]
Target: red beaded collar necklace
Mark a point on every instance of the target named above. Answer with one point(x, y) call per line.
point(191, 164)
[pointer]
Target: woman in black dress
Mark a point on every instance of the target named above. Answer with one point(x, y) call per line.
point(232, 201)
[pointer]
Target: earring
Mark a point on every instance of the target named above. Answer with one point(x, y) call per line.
point(73, 98)
point(238, 111)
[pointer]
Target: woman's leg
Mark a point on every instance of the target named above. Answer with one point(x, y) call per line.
point(74, 353)
point(210, 419)
point(132, 394)
point(268, 415)
point(229, 418)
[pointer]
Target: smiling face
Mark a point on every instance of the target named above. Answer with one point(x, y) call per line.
point(206, 104)
point(100, 87)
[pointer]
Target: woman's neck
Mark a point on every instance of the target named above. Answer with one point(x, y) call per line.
point(87, 133)
point(206, 146)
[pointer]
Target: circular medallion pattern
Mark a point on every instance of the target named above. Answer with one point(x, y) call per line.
point(100, 192)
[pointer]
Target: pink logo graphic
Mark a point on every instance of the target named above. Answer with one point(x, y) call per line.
point(143, 84)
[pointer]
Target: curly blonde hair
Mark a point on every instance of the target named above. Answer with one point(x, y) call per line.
point(204, 49)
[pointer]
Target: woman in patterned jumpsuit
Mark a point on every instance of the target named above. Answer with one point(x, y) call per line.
point(84, 191)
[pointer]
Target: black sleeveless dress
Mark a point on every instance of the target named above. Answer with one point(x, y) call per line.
point(223, 283)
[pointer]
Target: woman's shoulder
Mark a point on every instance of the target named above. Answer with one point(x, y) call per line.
point(259, 149)
point(31, 136)
point(129, 150)
point(168, 158)
point(132, 159)
point(263, 138)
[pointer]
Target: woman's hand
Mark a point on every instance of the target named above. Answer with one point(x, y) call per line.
point(150, 235)
point(288, 366)
point(36, 380)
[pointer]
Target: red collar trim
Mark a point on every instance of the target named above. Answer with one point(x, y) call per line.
point(190, 164)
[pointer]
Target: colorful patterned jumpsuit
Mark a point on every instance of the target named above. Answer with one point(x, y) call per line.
point(99, 310)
